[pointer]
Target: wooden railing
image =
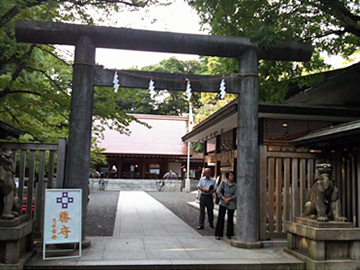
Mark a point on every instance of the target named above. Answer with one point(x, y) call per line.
point(31, 169)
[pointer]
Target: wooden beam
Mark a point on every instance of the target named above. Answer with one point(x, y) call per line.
point(169, 81)
point(156, 41)
point(28, 146)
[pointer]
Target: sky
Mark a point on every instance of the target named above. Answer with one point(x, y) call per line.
point(178, 17)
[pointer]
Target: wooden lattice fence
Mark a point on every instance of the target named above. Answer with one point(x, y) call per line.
point(285, 178)
point(38, 166)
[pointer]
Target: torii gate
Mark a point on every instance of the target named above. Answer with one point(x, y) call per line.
point(86, 75)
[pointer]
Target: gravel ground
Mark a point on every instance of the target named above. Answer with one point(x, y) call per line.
point(176, 202)
point(102, 211)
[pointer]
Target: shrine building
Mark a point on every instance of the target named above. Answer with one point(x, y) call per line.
point(149, 153)
point(315, 125)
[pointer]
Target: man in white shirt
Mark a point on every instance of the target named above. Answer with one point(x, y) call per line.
point(207, 186)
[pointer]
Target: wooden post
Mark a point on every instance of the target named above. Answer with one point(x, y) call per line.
point(295, 192)
point(263, 191)
point(61, 162)
point(247, 226)
point(78, 151)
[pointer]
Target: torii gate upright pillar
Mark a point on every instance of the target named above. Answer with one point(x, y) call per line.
point(247, 200)
point(79, 145)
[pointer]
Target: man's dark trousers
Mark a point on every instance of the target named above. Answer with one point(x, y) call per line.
point(206, 201)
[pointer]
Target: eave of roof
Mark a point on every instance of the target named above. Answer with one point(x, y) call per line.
point(226, 118)
point(346, 133)
point(337, 89)
point(7, 131)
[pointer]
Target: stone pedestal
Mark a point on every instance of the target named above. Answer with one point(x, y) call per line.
point(324, 245)
point(16, 243)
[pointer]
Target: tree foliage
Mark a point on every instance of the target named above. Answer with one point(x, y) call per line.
point(36, 81)
point(331, 26)
point(175, 102)
point(165, 102)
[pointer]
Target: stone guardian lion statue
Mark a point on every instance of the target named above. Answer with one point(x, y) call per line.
point(10, 206)
point(323, 203)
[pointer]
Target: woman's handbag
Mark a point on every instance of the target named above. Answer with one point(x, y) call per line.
point(217, 199)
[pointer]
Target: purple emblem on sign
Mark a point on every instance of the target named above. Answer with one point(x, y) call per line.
point(64, 200)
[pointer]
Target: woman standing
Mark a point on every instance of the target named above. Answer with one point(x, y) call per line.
point(227, 194)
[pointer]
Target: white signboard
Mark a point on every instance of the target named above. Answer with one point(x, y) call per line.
point(62, 217)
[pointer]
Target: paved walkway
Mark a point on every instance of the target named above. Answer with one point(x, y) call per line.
point(147, 235)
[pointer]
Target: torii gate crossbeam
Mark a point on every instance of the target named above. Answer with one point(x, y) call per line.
point(157, 41)
point(86, 38)
point(169, 81)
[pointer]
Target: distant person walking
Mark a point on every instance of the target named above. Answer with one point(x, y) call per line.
point(167, 176)
point(170, 175)
point(227, 194)
point(207, 186)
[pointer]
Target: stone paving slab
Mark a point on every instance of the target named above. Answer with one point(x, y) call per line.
point(147, 235)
